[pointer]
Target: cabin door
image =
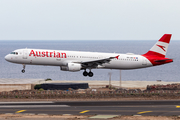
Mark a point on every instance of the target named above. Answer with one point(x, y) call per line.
point(144, 61)
point(25, 54)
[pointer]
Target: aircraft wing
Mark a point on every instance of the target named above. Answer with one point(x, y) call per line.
point(95, 63)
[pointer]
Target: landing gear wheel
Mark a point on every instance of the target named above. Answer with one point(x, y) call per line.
point(23, 71)
point(85, 73)
point(90, 74)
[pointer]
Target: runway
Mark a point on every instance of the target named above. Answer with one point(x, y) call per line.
point(155, 108)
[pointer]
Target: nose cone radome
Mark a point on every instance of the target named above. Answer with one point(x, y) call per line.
point(7, 58)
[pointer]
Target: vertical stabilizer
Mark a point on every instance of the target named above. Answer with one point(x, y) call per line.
point(160, 48)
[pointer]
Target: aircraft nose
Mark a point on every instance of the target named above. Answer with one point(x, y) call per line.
point(7, 58)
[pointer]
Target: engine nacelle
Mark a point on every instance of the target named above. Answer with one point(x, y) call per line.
point(73, 67)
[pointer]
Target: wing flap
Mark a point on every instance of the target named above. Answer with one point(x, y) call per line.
point(95, 63)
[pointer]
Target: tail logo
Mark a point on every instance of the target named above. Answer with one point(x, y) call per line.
point(162, 47)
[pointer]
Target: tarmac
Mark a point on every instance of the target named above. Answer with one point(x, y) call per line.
point(85, 109)
point(92, 108)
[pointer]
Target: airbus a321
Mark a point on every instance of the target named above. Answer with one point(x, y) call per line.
point(75, 61)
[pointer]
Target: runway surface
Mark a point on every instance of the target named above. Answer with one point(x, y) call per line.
point(156, 108)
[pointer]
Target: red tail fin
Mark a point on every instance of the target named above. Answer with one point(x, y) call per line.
point(160, 48)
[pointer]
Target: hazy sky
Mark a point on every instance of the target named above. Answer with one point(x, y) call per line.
point(89, 19)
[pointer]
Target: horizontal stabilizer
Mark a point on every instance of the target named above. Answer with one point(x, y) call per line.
point(164, 60)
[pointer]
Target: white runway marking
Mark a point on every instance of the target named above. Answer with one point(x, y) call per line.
point(26, 102)
point(32, 106)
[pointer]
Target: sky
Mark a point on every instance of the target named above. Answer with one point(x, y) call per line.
point(89, 19)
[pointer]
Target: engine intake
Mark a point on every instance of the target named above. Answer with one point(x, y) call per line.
point(73, 67)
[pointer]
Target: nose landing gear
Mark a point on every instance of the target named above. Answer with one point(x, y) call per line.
point(23, 70)
point(90, 74)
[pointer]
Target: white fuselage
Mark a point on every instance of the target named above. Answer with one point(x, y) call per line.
point(62, 58)
point(75, 60)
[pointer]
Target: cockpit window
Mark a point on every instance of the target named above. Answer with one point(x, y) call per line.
point(15, 53)
point(12, 52)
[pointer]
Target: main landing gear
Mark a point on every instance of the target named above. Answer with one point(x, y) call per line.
point(90, 74)
point(23, 70)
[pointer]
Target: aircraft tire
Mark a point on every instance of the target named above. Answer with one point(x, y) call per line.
point(85, 73)
point(23, 71)
point(90, 74)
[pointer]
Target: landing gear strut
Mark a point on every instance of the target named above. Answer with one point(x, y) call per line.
point(23, 70)
point(90, 74)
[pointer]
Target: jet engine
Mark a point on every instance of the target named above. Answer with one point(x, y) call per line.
point(73, 67)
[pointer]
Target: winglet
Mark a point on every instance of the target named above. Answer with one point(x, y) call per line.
point(117, 56)
point(114, 57)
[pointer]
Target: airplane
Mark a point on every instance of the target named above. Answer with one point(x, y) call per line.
point(75, 60)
